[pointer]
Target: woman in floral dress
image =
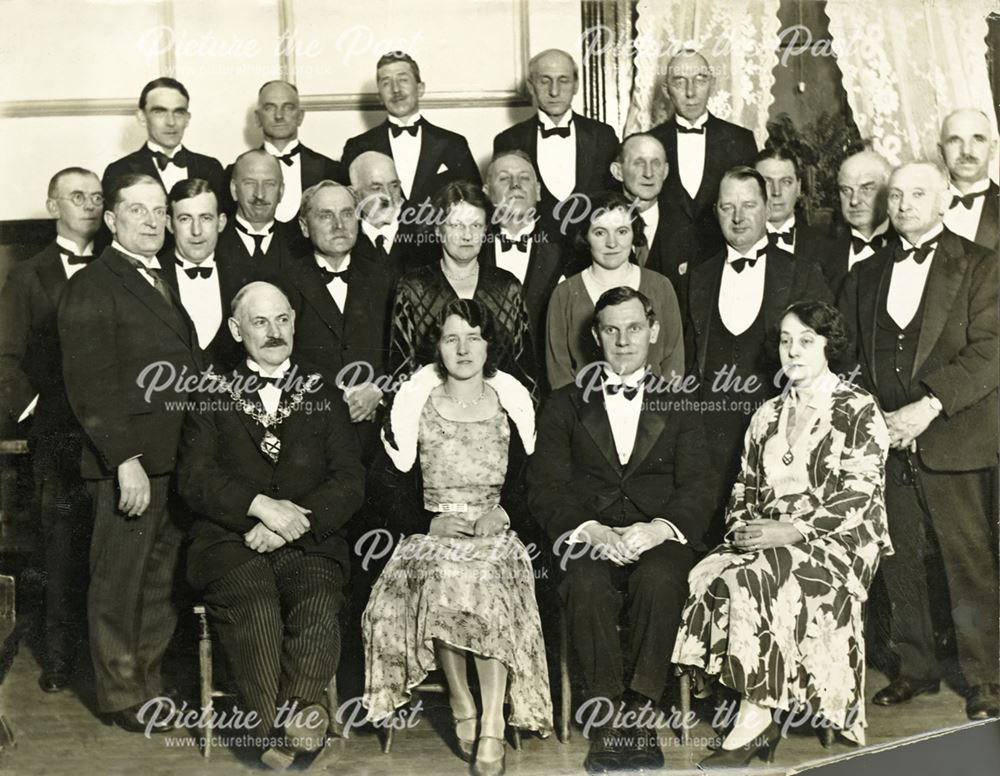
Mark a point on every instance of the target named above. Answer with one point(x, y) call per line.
point(466, 586)
point(775, 612)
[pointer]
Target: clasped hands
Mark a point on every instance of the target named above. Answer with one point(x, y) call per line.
point(280, 522)
point(362, 401)
point(909, 422)
point(763, 534)
point(624, 544)
point(447, 524)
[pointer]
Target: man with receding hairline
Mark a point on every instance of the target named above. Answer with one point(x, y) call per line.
point(967, 145)
point(700, 148)
point(924, 312)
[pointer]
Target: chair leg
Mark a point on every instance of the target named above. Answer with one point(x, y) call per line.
point(333, 705)
point(828, 737)
point(565, 693)
point(685, 692)
point(516, 736)
point(205, 674)
point(387, 741)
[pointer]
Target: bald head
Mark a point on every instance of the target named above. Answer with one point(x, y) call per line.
point(967, 144)
point(918, 198)
point(641, 166)
point(264, 321)
point(862, 183)
point(553, 80)
point(689, 84)
point(376, 187)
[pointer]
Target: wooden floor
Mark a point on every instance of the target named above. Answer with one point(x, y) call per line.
point(58, 734)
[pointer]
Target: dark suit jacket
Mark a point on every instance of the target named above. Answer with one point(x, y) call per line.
point(596, 146)
point(694, 227)
point(114, 326)
point(413, 247)
point(834, 252)
point(785, 281)
point(437, 147)
point(958, 353)
point(141, 161)
point(988, 234)
point(223, 352)
point(574, 475)
point(221, 469)
point(233, 252)
point(30, 358)
point(328, 339)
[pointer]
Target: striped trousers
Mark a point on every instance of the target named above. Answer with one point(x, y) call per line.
point(276, 618)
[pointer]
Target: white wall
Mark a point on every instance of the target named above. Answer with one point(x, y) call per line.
point(58, 56)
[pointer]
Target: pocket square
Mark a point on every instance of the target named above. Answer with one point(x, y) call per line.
point(682, 269)
point(442, 168)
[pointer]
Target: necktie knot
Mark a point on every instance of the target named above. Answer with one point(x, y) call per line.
point(380, 242)
point(554, 132)
point(410, 130)
point(690, 130)
point(966, 200)
point(521, 244)
point(179, 159)
point(198, 272)
point(258, 239)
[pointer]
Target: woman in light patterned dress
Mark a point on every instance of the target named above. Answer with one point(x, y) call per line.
point(466, 586)
point(775, 612)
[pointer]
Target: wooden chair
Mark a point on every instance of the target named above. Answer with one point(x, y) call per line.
point(8, 619)
point(209, 693)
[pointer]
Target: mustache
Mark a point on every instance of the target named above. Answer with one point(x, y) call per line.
point(968, 159)
point(275, 342)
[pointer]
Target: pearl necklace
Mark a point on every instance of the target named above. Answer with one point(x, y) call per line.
point(465, 404)
point(454, 276)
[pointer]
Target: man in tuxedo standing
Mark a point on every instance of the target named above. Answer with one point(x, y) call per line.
point(924, 310)
point(862, 181)
point(518, 240)
point(700, 148)
point(734, 305)
point(967, 145)
point(426, 156)
point(125, 341)
point(205, 283)
point(781, 170)
point(389, 235)
point(620, 483)
point(572, 153)
point(31, 385)
point(270, 465)
point(254, 240)
point(163, 111)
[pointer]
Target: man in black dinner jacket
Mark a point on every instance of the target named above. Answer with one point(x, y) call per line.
point(787, 227)
point(700, 148)
point(427, 157)
point(269, 463)
point(31, 385)
point(572, 153)
point(967, 145)
point(126, 344)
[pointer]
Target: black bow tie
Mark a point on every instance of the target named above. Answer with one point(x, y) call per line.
point(287, 158)
point(554, 132)
point(858, 244)
point(691, 130)
point(774, 238)
point(919, 254)
point(411, 130)
point(521, 243)
point(180, 159)
point(967, 200)
point(198, 272)
point(628, 391)
point(72, 259)
point(329, 275)
point(745, 261)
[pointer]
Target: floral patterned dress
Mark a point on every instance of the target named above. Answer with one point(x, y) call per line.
point(475, 593)
point(783, 626)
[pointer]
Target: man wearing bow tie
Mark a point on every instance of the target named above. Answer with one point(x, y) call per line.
point(254, 240)
point(519, 242)
point(700, 148)
point(205, 282)
point(924, 310)
point(572, 153)
point(118, 319)
point(621, 483)
point(785, 228)
point(163, 111)
point(270, 467)
point(427, 157)
point(862, 183)
point(967, 145)
point(734, 302)
point(31, 384)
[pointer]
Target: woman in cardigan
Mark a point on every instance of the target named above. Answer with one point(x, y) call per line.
point(610, 233)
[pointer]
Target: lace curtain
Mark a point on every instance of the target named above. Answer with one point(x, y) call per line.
point(906, 64)
point(738, 37)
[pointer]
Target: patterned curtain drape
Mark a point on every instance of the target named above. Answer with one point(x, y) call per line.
point(906, 64)
point(738, 37)
point(606, 52)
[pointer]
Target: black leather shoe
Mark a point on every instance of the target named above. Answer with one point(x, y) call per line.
point(55, 679)
point(903, 688)
point(647, 755)
point(128, 719)
point(763, 746)
point(607, 752)
point(983, 702)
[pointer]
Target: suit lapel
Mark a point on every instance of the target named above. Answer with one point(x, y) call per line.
point(594, 418)
point(314, 292)
point(988, 233)
point(711, 170)
point(704, 297)
point(134, 282)
point(869, 305)
point(310, 167)
point(586, 151)
point(651, 425)
point(52, 275)
point(779, 277)
point(430, 154)
point(943, 281)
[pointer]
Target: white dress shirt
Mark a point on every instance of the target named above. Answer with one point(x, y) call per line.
point(270, 395)
point(71, 247)
point(201, 298)
point(741, 293)
point(962, 222)
point(557, 156)
point(288, 206)
point(867, 252)
point(510, 258)
point(906, 286)
point(691, 153)
point(337, 288)
point(388, 231)
point(782, 231)
point(650, 222)
point(248, 242)
point(171, 174)
point(406, 151)
point(147, 263)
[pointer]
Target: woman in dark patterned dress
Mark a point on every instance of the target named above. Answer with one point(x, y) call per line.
point(461, 211)
point(775, 612)
point(466, 586)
